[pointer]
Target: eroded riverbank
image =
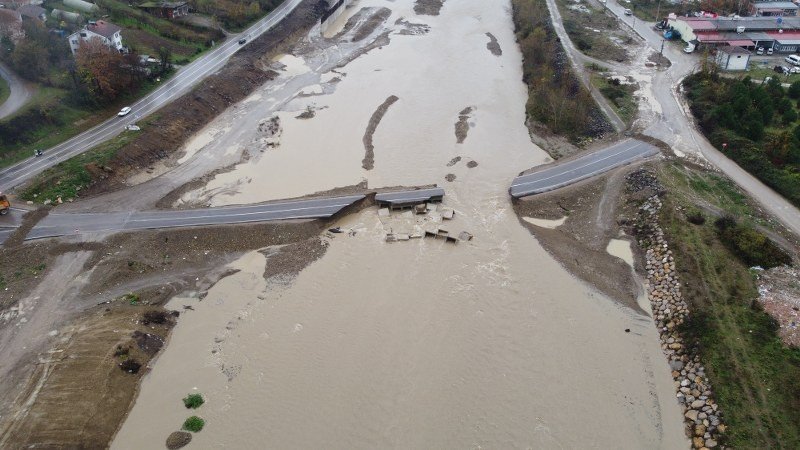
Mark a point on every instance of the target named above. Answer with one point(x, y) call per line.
point(487, 343)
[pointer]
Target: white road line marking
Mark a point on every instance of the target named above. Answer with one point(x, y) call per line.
point(576, 168)
point(558, 185)
point(183, 80)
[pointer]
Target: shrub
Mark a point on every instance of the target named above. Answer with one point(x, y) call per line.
point(130, 366)
point(156, 317)
point(749, 245)
point(695, 216)
point(194, 424)
point(193, 401)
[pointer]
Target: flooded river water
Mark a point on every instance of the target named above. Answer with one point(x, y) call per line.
point(419, 344)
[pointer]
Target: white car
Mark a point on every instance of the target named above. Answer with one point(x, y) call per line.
point(795, 69)
point(628, 12)
point(124, 111)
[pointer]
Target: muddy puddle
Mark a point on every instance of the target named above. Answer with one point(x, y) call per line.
point(420, 343)
point(621, 249)
point(545, 223)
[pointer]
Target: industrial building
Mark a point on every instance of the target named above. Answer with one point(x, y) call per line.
point(782, 34)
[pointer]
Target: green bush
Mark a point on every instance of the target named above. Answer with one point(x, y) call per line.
point(751, 246)
point(194, 424)
point(739, 118)
point(193, 401)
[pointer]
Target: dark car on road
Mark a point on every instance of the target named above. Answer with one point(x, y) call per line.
point(242, 41)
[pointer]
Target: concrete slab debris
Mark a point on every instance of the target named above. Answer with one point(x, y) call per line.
point(448, 213)
point(407, 199)
point(464, 236)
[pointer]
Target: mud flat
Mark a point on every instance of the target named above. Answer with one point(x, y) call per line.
point(421, 343)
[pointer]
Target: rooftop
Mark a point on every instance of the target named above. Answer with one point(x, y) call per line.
point(32, 11)
point(775, 5)
point(103, 28)
point(162, 4)
point(749, 23)
point(731, 50)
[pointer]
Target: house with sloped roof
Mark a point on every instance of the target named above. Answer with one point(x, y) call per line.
point(167, 10)
point(107, 32)
point(32, 12)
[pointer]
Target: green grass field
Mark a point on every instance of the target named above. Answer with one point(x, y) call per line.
point(70, 121)
point(754, 376)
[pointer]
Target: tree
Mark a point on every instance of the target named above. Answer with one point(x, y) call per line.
point(753, 126)
point(778, 146)
point(106, 72)
point(30, 60)
point(789, 116)
point(794, 90)
point(164, 60)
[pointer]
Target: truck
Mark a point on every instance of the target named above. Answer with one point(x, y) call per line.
point(5, 205)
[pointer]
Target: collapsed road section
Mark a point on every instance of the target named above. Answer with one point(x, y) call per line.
point(408, 199)
point(578, 169)
point(55, 225)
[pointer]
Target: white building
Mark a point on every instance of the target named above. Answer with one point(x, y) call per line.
point(732, 58)
point(107, 32)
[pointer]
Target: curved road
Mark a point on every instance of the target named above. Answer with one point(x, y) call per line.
point(178, 85)
point(554, 176)
point(20, 92)
point(674, 124)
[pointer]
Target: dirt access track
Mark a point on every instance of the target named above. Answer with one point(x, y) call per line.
point(64, 343)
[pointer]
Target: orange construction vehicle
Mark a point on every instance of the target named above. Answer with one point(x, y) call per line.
point(5, 205)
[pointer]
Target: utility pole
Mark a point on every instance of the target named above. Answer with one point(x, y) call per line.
point(661, 52)
point(658, 13)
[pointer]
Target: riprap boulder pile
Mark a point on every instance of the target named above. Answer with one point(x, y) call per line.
point(701, 413)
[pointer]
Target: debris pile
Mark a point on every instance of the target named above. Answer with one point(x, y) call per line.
point(702, 416)
point(779, 295)
point(423, 220)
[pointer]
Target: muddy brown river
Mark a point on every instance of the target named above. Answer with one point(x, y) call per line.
point(417, 344)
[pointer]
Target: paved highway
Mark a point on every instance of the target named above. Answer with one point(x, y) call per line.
point(178, 85)
point(20, 92)
point(563, 174)
point(55, 225)
point(413, 196)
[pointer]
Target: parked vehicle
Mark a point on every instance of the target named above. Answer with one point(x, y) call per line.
point(760, 51)
point(769, 51)
point(5, 205)
point(37, 153)
point(793, 60)
point(242, 41)
point(782, 69)
point(124, 111)
point(689, 48)
point(628, 12)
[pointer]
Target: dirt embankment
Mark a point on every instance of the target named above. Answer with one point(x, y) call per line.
point(368, 163)
point(462, 126)
point(374, 19)
point(593, 212)
point(88, 379)
point(179, 120)
point(493, 46)
point(428, 7)
point(79, 367)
